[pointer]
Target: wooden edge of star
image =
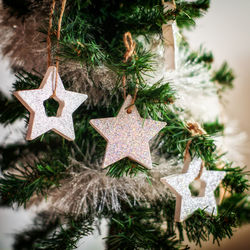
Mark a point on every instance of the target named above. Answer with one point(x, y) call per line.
point(49, 71)
point(63, 135)
point(178, 200)
point(32, 114)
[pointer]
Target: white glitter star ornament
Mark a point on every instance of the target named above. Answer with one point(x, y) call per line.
point(186, 204)
point(39, 122)
point(127, 135)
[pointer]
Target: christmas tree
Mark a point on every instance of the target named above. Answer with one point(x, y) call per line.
point(143, 153)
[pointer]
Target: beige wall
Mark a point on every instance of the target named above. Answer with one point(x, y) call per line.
point(225, 30)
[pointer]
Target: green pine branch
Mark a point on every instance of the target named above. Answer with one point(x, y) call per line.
point(43, 226)
point(187, 11)
point(153, 227)
point(200, 56)
point(151, 103)
point(22, 182)
point(236, 180)
point(214, 128)
point(50, 232)
point(88, 37)
point(139, 228)
point(126, 167)
point(67, 234)
point(224, 76)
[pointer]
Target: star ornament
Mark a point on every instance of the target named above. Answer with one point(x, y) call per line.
point(39, 122)
point(127, 135)
point(186, 204)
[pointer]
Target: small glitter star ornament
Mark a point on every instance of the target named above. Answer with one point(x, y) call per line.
point(186, 204)
point(39, 122)
point(127, 135)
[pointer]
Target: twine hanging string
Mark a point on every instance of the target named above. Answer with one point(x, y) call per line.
point(57, 43)
point(130, 46)
point(168, 3)
point(130, 51)
point(174, 4)
point(58, 38)
point(187, 159)
point(195, 129)
point(52, 9)
point(187, 156)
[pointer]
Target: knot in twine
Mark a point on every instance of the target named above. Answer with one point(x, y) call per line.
point(130, 46)
point(195, 128)
point(52, 9)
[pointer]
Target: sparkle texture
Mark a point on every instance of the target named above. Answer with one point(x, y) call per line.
point(128, 135)
point(186, 204)
point(39, 122)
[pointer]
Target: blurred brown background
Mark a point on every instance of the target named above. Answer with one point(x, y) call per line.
point(225, 30)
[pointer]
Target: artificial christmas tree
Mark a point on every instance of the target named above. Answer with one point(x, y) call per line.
point(107, 50)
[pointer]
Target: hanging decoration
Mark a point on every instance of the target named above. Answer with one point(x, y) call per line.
point(51, 87)
point(193, 171)
point(128, 134)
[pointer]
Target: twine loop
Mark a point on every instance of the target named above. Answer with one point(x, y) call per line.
point(129, 45)
point(187, 159)
point(130, 51)
point(195, 128)
point(52, 10)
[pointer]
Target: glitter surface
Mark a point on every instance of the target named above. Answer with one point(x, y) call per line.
point(39, 122)
point(128, 135)
point(186, 204)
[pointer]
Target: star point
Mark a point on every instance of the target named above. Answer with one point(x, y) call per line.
point(39, 122)
point(127, 135)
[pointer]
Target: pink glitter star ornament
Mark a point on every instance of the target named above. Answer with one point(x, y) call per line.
point(39, 122)
point(127, 135)
point(186, 203)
